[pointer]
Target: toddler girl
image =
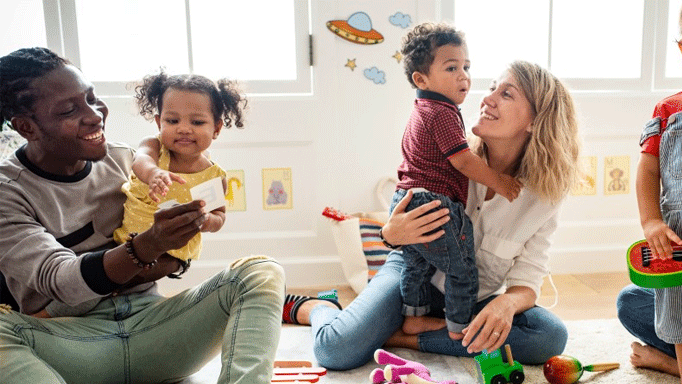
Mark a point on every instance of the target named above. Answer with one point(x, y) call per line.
point(190, 111)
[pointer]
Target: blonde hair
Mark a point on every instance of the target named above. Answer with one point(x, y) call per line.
point(549, 161)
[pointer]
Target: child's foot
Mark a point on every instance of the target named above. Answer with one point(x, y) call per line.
point(456, 335)
point(646, 356)
point(413, 325)
point(297, 308)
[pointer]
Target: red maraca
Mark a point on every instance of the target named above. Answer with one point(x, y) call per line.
point(562, 369)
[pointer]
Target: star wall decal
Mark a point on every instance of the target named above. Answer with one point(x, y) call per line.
point(398, 56)
point(351, 64)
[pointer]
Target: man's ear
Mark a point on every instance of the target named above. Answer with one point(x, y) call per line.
point(26, 127)
point(420, 80)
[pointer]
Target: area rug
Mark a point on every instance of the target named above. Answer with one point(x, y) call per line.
point(590, 341)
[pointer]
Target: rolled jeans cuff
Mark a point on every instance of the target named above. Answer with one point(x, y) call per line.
point(415, 311)
point(455, 327)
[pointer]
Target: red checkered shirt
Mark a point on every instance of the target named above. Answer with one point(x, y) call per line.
point(434, 133)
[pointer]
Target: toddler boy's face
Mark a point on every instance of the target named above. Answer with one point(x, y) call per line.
point(449, 73)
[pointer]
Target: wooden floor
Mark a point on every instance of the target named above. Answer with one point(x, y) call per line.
point(581, 296)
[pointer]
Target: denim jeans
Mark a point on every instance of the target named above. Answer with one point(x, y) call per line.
point(151, 339)
point(346, 339)
point(636, 312)
point(452, 253)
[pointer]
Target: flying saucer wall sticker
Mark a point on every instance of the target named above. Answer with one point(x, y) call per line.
point(357, 29)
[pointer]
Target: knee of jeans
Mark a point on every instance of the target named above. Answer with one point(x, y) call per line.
point(262, 271)
point(338, 355)
point(627, 298)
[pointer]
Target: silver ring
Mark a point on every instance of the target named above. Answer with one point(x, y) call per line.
point(496, 334)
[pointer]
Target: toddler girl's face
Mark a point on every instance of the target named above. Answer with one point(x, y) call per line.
point(186, 122)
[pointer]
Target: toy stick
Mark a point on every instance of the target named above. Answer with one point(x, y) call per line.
point(319, 371)
point(295, 378)
point(562, 369)
point(292, 363)
point(510, 359)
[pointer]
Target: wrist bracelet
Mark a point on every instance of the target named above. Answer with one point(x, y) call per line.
point(133, 256)
point(386, 243)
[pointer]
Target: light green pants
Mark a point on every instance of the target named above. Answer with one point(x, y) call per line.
point(133, 339)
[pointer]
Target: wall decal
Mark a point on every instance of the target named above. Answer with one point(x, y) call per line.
point(277, 188)
point(236, 192)
point(357, 29)
point(397, 56)
point(400, 20)
point(616, 175)
point(351, 64)
point(374, 74)
point(587, 182)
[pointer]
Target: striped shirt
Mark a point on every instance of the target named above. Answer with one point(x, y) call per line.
point(434, 133)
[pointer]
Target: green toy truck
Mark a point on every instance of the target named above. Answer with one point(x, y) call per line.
point(494, 371)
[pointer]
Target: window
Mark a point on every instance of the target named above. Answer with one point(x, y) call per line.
point(592, 45)
point(669, 74)
point(22, 24)
point(115, 42)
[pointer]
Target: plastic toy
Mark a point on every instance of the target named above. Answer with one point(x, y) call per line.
point(330, 294)
point(401, 371)
point(494, 371)
point(335, 214)
point(648, 272)
point(296, 371)
point(562, 369)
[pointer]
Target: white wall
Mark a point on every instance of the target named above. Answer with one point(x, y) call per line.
point(341, 140)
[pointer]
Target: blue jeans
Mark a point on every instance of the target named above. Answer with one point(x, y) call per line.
point(346, 339)
point(452, 253)
point(151, 339)
point(636, 313)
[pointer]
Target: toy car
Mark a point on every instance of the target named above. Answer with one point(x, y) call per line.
point(494, 371)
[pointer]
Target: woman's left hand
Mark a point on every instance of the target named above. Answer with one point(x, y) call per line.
point(490, 327)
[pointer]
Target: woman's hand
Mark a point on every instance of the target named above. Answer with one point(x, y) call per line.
point(491, 326)
point(411, 228)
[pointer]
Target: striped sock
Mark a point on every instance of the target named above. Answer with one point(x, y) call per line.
point(293, 302)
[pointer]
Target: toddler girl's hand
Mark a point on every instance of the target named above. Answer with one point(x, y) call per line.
point(508, 187)
point(659, 236)
point(160, 181)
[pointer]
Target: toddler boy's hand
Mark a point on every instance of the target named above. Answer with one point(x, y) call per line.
point(659, 236)
point(508, 187)
point(160, 181)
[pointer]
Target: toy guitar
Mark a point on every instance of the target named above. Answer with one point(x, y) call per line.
point(648, 272)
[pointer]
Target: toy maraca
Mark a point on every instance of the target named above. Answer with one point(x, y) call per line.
point(562, 369)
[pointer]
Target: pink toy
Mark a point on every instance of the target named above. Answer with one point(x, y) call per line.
point(401, 371)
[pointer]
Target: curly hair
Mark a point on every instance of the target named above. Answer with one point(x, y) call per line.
point(227, 102)
point(549, 163)
point(422, 41)
point(17, 71)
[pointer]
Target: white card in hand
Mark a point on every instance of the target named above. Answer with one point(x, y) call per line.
point(211, 192)
point(168, 204)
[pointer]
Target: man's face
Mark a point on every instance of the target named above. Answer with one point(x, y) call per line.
point(68, 120)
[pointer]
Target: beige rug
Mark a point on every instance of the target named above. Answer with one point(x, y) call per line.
point(590, 341)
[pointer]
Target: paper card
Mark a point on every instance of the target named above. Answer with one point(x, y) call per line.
point(616, 175)
point(168, 204)
point(277, 188)
point(211, 192)
point(236, 194)
point(587, 180)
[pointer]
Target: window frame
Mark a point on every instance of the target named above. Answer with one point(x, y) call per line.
point(62, 37)
point(651, 75)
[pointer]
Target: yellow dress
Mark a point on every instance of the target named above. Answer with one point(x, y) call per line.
point(139, 208)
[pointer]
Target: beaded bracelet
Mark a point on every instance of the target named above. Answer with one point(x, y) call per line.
point(133, 256)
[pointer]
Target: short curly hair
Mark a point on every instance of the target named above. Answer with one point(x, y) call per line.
point(227, 101)
point(18, 70)
point(422, 41)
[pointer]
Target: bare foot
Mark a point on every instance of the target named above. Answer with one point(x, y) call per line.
point(401, 339)
point(303, 314)
point(646, 356)
point(456, 336)
point(414, 325)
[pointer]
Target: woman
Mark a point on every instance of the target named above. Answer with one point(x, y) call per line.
point(527, 129)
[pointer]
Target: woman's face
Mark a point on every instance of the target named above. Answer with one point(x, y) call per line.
point(505, 112)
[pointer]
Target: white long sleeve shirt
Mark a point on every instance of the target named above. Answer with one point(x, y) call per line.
point(511, 240)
